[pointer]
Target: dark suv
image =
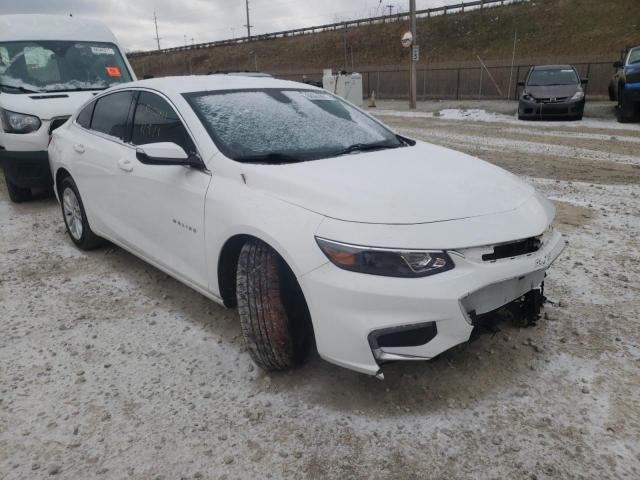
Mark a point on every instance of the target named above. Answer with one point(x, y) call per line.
point(552, 91)
point(625, 85)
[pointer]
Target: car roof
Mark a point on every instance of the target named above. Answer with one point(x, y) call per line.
point(53, 27)
point(553, 67)
point(204, 83)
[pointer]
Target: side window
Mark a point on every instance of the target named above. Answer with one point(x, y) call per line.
point(156, 121)
point(111, 113)
point(84, 117)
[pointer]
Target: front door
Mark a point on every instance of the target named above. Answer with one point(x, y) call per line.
point(161, 207)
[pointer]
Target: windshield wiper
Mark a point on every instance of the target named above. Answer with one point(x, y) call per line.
point(271, 158)
point(365, 147)
point(77, 89)
point(21, 89)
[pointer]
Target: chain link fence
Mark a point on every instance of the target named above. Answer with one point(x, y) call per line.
point(460, 83)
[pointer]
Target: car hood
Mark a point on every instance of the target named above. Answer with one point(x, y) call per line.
point(551, 91)
point(45, 105)
point(420, 184)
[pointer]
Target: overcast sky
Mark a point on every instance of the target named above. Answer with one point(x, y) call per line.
point(207, 20)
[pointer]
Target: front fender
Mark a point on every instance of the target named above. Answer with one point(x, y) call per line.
point(232, 208)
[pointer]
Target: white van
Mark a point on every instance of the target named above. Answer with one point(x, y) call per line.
point(49, 66)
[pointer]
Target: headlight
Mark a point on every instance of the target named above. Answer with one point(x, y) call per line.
point(384, 261)
point(528, 97)
point(578, 96)
point(13, 122)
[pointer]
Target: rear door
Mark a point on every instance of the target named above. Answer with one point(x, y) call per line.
point(161, 207)
point(99, 148)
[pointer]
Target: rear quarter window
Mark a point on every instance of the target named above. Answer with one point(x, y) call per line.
point(84, 117)
point(111, 114)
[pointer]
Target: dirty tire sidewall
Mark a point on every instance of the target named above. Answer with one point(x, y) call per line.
point(263, 317)
point(88, 240)
point(626, 109)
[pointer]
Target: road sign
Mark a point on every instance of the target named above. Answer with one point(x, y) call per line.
point(415, 53)
point(407, 39)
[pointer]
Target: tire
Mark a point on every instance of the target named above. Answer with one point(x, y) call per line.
point(625, 112)
point(612, 93)
point(17, 194)
point(274, 317)
point(75, 217)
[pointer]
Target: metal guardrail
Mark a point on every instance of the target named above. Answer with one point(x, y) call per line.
point(459, 7)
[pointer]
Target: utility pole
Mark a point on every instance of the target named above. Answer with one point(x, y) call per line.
point(248, 25)
point(155, 20)
point(390, 7)
point(513, 59)
point(413, 76)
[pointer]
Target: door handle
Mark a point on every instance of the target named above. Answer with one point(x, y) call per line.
point(126, 165)
point(78, 147)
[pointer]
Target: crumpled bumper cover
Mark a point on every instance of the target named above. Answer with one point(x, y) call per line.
point(347, 307)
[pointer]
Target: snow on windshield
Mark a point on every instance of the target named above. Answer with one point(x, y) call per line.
point(17, 83)
point(302, 123)
point(60, 65)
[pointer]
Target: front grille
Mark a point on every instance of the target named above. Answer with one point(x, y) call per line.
point(57, 123)
point(553, 99)
point(513, 249)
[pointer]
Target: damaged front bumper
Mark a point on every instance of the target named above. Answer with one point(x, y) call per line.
point(361, 321)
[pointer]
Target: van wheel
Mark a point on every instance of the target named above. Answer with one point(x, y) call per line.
point(274, 317)
point(75, 218)
point(17, 194)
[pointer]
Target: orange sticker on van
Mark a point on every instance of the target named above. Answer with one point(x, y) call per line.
point(113, 71)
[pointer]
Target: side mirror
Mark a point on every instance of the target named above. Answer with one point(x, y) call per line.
point(618, 64)
point(521, 83)
point(584, 81)
point(167, 153)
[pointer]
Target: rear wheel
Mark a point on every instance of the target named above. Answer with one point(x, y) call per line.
point(274, 316)
point(75, 218)
point(17, 194)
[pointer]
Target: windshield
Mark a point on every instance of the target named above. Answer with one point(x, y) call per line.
point(634, 56)
point(54, 66)
point(565, 76)
point(286, 125)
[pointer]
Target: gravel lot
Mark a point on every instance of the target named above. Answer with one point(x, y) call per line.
point(109, 369)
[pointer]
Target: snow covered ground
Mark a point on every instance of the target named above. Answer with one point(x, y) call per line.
point(109, 369)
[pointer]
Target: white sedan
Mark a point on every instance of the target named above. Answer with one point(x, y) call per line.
point(315, 219)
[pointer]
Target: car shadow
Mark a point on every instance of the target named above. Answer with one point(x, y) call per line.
point(459, 378)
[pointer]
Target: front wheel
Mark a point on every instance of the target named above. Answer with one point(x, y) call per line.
point(17, 194)
point(75, 218)
point(273, 313)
